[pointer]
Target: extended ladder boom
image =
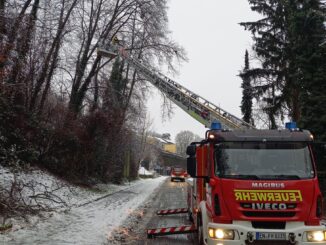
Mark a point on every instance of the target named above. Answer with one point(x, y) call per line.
point(195, 105)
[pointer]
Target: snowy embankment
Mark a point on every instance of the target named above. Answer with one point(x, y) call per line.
point(90, 218)
point(145, 173)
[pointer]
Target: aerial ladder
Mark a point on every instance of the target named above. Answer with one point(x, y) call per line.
point(196, 106)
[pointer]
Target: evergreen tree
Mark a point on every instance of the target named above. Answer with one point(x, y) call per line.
point(269, 45)
point(246, 103)
point(291, 79)
point(116, 84)
point(116, 79)
point(309, 32)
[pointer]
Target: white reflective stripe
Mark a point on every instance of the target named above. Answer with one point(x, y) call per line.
point(178, 228)
point(171, 229)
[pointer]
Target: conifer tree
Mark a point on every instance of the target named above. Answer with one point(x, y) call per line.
point(291, 79)
point(117, 82)
point(308, 29)
point(246, 103)
point(269, 46)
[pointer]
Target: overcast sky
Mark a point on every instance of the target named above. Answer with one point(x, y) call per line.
point(215, 44)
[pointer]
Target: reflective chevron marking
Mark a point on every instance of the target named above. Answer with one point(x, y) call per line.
point(151, 233)
point(172, 211)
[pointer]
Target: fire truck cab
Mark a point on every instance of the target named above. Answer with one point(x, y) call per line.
point(255, 187)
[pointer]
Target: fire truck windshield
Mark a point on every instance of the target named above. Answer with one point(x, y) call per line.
point(263, 160)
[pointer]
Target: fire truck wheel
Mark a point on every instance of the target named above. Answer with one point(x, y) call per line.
point(200, 230)
point(172, 180)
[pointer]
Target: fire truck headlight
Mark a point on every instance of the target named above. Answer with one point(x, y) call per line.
point(221, 234)
point(316, 236)
point(211, 232)
point(211, 136)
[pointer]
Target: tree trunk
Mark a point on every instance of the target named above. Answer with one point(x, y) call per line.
point(78, 95)
point(23, 46)
point(2, 19)
point(96, 94)
point(13, 34)
point(49, 76)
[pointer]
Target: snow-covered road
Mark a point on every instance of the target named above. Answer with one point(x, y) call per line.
point(170, 195)
point(89, 224)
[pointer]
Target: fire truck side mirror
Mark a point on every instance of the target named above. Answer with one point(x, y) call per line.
point(191, 166)
point(191, 160)
point(191, 150)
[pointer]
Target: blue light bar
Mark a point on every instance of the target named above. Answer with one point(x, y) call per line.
point(216, 125)
point(291, 125)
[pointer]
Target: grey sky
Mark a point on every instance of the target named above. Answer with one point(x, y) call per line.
point(215, 45)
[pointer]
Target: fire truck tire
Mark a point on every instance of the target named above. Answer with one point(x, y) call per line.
point(200, 230)
point(172, 180)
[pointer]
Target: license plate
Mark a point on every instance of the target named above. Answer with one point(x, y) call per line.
point(270, 236)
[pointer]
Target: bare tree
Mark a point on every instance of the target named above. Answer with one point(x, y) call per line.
point(2, 19)
point(23, 43)
point(12, 32)
point(93, 29)
point(183, 139)
point(142, 26)
point(50, 62)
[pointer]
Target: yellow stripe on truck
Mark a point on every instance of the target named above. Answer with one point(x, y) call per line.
point(268, 195)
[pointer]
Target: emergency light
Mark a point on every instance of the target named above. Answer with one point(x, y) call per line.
point(216, 125)
point(291, 125)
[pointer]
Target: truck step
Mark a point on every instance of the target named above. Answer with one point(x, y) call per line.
point(172, 211)
point(152, 233)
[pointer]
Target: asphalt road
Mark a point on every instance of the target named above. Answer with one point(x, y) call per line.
point(169, 195)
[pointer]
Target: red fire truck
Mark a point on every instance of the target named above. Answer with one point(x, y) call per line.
point(250, 186)
point(255, 187)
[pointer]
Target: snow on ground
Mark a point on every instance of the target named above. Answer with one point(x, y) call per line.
point(144, 171)
point(44, 182)
point(92, 218)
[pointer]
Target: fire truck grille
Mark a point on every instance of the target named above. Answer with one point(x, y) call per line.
point(268, 214)
point(280, 225)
